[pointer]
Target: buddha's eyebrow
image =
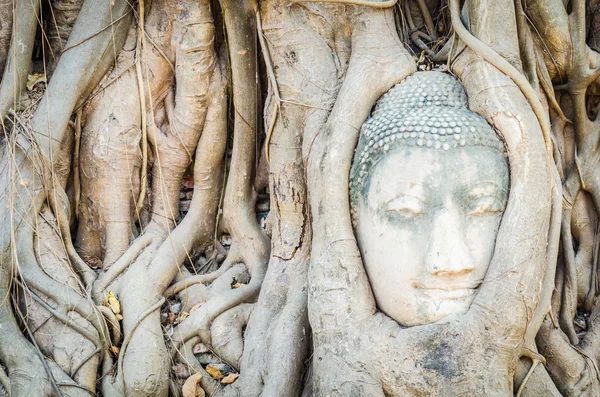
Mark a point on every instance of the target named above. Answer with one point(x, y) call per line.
point(484, 189)
point(401, 189)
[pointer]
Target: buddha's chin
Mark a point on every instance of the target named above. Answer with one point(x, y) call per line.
point(429, 309)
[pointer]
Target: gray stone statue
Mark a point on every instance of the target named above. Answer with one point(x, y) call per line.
point(428, 188)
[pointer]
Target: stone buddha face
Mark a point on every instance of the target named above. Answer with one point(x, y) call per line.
point(428, 189)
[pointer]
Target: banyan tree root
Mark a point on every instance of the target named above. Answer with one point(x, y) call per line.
point(571, 58)
point(28, 155)
point(299, 101)
point(72, 351)
point(6, 14)
point(63, 14)
point(200, 85)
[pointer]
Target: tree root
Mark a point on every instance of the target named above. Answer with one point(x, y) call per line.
point(117, 268)
point(231, 259)
point(199, 322)
point(14, 79)
point(227, 336)
point(366, 3)
point(127, 339)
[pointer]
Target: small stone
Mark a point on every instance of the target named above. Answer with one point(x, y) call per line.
point(184, 205)
point(206, 358)
point(263, 206)
point(200, 348)
point(225, 239)
point(181, 371)
point(188, 182)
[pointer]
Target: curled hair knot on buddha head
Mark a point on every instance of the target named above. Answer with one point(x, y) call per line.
point(426, 110)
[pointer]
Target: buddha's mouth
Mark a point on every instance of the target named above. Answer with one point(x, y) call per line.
point(449, 292)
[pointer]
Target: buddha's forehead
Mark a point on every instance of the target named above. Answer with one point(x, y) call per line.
point(429, 174)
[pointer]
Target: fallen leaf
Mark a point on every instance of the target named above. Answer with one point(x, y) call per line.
point(195, 307)
point(191, 388)
point(171, 318)
point(112, 302)
point(229, 379)
point(214, 372)
point(119, 317)
point(183, 316)
point(238, 285)
point(33, 79)
point(200, 348)
point(115, 350)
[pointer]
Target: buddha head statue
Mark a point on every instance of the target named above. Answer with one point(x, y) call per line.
point(428, 188)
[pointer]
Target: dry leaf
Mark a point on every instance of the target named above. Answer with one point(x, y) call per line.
point(183, 316)
point(191, 388)
point(229, 379)
point(214, 372)
point(115, 350)
point(112, 302)
point(119, 317)
point(35, 78)
point(195, 307)
point(238, 285)
point(171, 317)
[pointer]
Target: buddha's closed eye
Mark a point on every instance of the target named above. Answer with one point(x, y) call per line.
point(485, 205)
point(485, 199)
point(405, 207)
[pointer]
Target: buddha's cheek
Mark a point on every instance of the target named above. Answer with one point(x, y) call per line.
point(481, 235)
point(393, 256)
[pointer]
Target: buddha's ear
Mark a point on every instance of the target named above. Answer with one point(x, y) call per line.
point(512, 287)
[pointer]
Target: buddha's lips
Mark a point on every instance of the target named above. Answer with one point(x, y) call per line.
point(449, 294)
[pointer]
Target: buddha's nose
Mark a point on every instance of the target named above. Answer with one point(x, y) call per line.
point(448, 253)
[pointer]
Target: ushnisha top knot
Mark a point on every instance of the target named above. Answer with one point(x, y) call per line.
point(426, 110)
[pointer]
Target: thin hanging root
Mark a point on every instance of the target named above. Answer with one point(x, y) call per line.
point(138, 69)
point(569, 299)
point(39, 352)
point(272, 82)
point(84, 361)
point(76, 175)
point(529, 373)
point(427, 18)
point(62, 317)
point(503, 66)
point(66, 298)
point(592, 359)
point(366, 3)
point(141, 318)
point(81, 268)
